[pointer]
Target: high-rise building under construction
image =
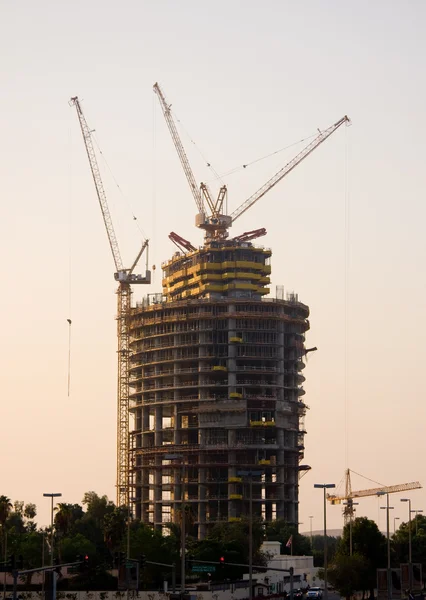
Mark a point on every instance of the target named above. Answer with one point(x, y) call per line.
point(216, 376)
point(210, 368)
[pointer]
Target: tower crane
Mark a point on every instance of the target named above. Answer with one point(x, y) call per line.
point(216, 224)
point(349, 496)
point(125, 278)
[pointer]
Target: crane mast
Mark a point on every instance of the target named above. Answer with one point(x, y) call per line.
point(125, 277)
point(215, 224)
point(180, 150)
point(88, 142)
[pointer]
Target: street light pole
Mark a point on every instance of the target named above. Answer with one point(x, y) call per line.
point(250, 475)
point(387, 508)
point(416, 512)
point(409, 537)
point(394, 525)
point(324, 487)
point(51, 496)
point(182, 527)
point(310, 519)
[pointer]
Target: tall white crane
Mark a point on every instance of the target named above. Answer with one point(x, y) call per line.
point(125, 278)
point(216, 224)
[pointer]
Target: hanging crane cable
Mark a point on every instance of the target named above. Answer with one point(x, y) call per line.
point(256, 160)
point(70, 203)
point(123, 195)
point(69, 356)
point(207, 162)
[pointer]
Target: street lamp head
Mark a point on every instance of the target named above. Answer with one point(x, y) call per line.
point(52, 495)
point(380, 493)
point(324, 485)
point(405, 499)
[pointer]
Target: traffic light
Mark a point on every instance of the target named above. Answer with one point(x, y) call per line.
point(83, 560)
point(11, 563)
point(142, 562)
point(221, 561)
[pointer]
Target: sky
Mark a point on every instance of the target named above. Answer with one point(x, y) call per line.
point(346, 227)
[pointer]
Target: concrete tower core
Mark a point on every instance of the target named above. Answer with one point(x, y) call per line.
point(215, 378)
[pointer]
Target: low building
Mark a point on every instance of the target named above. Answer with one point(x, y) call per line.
point(304, 574)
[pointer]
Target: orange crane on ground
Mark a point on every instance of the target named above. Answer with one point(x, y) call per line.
point(349, 496)
point(214, 222)
point(126, 278)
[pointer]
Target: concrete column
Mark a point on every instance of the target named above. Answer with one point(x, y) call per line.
point(176, 424)
point(201, 497)
point(158, 425)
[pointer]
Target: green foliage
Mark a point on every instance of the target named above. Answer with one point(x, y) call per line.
point(66, 517)
point(347, 573)
point(318, 549)
point(418, 542)
point(5, 508)
point(99, 528)
point(71, 547)
point(367, 542)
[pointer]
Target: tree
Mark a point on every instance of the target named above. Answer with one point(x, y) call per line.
point(369, 543)
point(30, 511)
point(418, 542)
point(347, 573)
point(66, 516)
point(97, 507)
point(114, 527)
point(318, 549)
point(5, 509)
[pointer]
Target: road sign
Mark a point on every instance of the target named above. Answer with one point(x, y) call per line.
point(203, 568)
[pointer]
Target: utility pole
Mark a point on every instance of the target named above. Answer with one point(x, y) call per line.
point(387, 508)
point(51, 496)
point(324, 487)
point(181, 457)
point(250, 475)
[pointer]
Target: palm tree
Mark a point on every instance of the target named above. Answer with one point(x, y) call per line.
point(115, 528)
point(66, 516)
point(5, 509)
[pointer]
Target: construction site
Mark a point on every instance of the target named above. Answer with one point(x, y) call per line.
point(210, 370)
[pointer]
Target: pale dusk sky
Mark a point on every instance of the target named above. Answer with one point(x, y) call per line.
point(245, 78)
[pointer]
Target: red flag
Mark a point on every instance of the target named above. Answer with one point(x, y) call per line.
point(290, 542)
